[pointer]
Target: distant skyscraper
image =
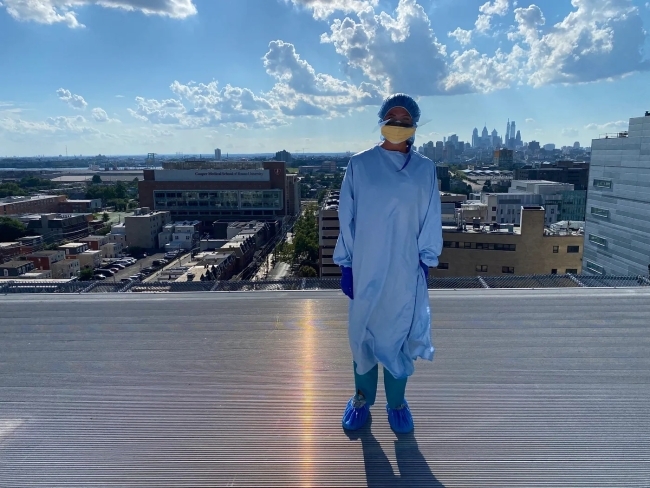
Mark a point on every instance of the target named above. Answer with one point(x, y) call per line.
point(508, 131)
point(283, 156)
point(518, 139)
point(217, 154)
point(475, 140)
point(576, 145)
point(513, 129)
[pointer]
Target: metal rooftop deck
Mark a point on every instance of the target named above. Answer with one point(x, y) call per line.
point(528, 388)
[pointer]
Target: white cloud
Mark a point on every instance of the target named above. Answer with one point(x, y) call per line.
point(530, 121)
point(51, 125)
point(570, 132)
point(463, 36)
point(599, 40)
point(61, 11)
point(299, 92)
point(399, 52)
point(489, 10)
point(75, 101)
point(609, 126)
point(324, 8)
point(119, 96)
point(100, 115)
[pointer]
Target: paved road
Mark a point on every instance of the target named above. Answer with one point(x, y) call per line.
point(529, 388)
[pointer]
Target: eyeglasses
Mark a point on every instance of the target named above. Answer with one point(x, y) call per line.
point(399, 123)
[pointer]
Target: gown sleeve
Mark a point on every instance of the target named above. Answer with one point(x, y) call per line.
point(344, 245)
point(430, 239)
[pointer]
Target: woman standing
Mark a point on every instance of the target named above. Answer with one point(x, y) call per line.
point(391, 233)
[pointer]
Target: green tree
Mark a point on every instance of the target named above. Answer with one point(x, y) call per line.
point(307, 272)
point(106, 217)
point(120, 190)
point(305, 237)
point(11, 229)
point(96, 179)
point(11, 190)
point(86, 274)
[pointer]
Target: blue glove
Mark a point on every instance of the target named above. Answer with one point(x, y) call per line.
point(346, 281)
point(425, 268)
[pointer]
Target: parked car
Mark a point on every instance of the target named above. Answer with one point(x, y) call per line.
point(98, 277)
point(134, 278)
point(124, 280)
point(103, 271)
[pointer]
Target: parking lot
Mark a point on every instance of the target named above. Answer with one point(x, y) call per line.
point(136, 268)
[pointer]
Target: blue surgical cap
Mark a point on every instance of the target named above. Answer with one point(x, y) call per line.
point(400, 100)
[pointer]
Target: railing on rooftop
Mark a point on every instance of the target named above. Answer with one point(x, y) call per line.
point(312, 284)
point(613, 135)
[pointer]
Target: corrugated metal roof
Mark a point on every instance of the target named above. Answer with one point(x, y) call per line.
point(528, 388)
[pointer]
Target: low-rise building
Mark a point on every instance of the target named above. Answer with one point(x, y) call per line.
point(90, 259)
point(36, 275)
point(65, 269)
point(80, 206)
point(144, 226)
point(44, 260)
point(15, 268)
point(30, 205)
point(57, 227)
point(112, 250)
point(9, 250)
point(118, 234)
point(95, 242)
point(72, 249)
point(480, 248)
point(496, 250)
point(30, 244)
point(179, 235)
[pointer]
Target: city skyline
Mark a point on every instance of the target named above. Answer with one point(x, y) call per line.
point(118, 78)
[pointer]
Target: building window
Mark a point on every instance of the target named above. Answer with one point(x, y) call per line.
point(481, 268)
point(508, 269)
point(501, 211)
point(443, 265)
point(573, 249)
point(494, 209)
point(572, 271)
point(494, 219)
point(502, 220)
point(600, 212)
point(468, 245)
point(556, 249)
point(595, 268)
point(597, 240)
point(554, 271)
point(602, 184)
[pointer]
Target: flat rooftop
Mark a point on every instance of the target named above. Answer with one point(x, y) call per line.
point(527, 388)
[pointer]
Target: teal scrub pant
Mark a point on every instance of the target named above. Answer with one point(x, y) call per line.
point(367, 385)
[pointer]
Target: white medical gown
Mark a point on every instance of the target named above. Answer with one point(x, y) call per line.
point(390, 221)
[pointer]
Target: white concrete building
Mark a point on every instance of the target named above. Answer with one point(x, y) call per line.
point(617, 227)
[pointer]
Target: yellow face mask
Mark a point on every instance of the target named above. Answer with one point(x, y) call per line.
point(397, 135)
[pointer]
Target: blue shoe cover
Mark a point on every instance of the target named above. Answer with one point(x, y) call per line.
point(356, 414)
point(400, 419)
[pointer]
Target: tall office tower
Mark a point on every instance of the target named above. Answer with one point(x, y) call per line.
point(617, 224)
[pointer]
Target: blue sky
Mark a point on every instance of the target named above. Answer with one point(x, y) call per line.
point(248, 76)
